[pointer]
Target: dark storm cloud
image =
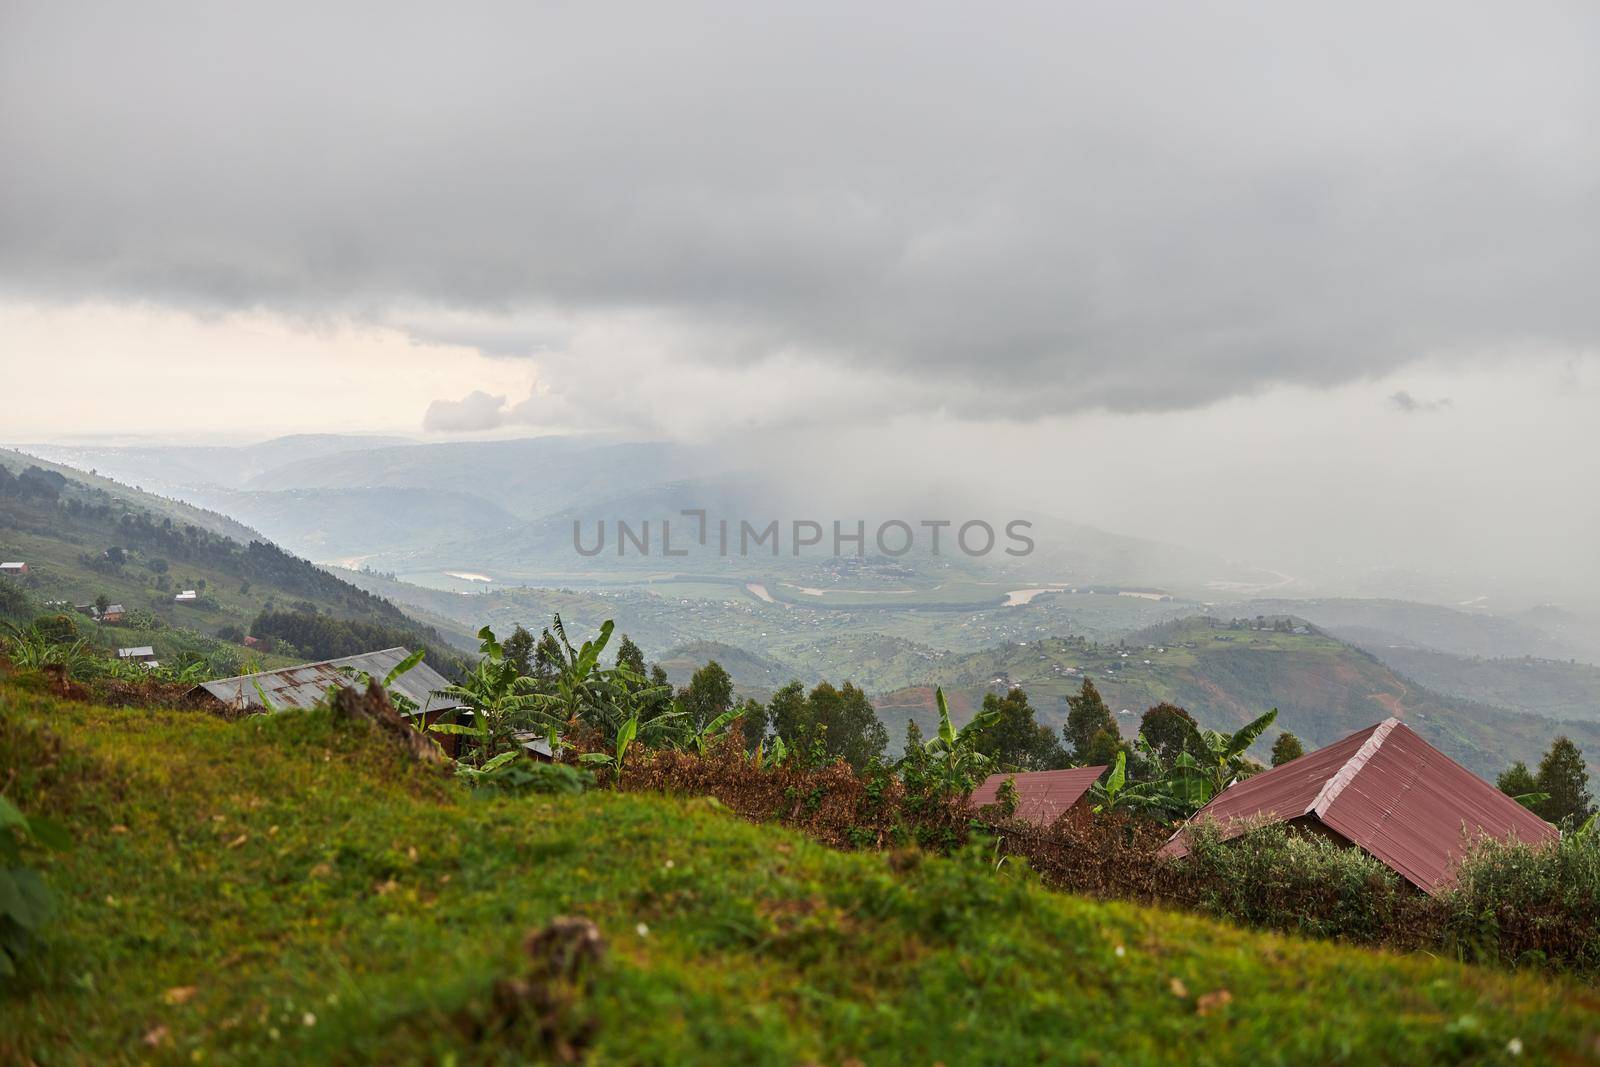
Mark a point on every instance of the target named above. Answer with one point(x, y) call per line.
point(1108, 204)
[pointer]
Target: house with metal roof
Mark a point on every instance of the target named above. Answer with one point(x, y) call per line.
point(303, 686)
point(16, 567)
point(1385, 791)
point(138, 654)
point(1042, 796)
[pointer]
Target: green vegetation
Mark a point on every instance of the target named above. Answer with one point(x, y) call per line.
point(1015, 740)
point(90, 544)
point(1091, 731)
point(1559, 791)
point(291, 889)
point(828, 723)
point(1174, 779)
point(1287, 747)
point(1225, 672)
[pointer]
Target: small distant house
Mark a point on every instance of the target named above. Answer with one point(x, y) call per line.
point(14, 568)
point(1042, 796)
point(140, 655)
point(303, 686)
point(536, 745)
point(251, 642)
point(188, 596)
point(1385, 791)
point(113, 613)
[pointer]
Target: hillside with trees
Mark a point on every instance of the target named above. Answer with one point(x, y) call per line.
point(183, 587)
point(1226, 672)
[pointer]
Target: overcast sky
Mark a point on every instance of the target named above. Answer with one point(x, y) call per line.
point(1315, 227)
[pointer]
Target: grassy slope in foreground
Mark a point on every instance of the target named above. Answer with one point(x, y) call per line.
point(327, 903)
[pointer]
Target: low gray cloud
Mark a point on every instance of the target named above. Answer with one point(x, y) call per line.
point(1103, 204)
point(475, 411)
point(1403, 401)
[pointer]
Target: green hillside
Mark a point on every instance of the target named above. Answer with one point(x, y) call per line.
point(84, 539)
point(106, 490)
point(289, 890)
point(1561, 689)
point(1322, 687)
point(753, 674)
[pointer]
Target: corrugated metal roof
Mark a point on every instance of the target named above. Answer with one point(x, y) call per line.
point(1042, 796)
point(1387, 791)
point(135, 652)
point(304, 685)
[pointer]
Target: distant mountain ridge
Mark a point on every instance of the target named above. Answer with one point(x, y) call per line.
point(230, 466)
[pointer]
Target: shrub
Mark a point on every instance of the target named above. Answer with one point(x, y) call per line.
point(1529, 905)
point(832, 803)
point(528, 776)
point(1280, 878)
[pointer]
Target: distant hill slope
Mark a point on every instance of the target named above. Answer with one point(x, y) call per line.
point(1322, 687)
point(1376, 624)
point(356, 524)
point(752, 674)
point(84, 538)
point(542, 548)
point(231, 466)
point(288, 891)
point(1557, 688)
point(528, 477)
point(113, 491)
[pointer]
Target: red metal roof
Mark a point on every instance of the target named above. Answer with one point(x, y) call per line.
point(1387, 791)
point(1041, 795)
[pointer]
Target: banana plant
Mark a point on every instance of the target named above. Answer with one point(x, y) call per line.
point(584, 690)
point(1215, 760)
point(1530, 800)
point(30, 648)
point(951, 759)
point(1115, 785)
point(772, 755)
point(1176, 793)
point(501, 700)
point(625, 736)
point(701, 739)
point(402, 703)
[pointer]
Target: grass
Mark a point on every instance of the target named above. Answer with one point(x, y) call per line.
point(287, 890)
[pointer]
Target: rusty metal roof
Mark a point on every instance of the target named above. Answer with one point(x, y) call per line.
point(1387, 791)
point(1042, 796)
point(304, 685)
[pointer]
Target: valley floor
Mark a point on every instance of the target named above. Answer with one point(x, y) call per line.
point(288, 889)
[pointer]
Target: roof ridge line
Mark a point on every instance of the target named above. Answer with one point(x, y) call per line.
point(1345, 775)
